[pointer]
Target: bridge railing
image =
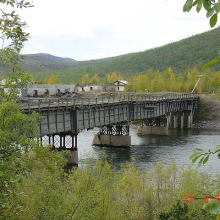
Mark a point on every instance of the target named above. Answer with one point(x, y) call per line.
point(40, 104)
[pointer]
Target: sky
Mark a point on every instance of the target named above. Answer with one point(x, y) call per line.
point(95, 29)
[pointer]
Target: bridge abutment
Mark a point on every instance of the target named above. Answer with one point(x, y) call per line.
point(113, 136)
point(63, 141)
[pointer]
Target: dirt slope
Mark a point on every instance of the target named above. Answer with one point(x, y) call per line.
point(208, 113)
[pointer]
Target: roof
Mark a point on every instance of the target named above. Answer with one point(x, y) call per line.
point(122, 81)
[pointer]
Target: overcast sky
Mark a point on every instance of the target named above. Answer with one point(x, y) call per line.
point(93, 29)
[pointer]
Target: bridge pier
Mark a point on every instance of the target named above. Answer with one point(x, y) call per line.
point(181, 119)
point(63, 141)
point(161, 125)
point(157, 126)
point(113, 135)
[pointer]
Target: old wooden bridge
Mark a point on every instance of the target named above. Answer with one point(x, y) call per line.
point(63, 118)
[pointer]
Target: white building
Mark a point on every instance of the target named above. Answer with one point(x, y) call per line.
point(47, 89)
point(91, 88)
point(118, 86)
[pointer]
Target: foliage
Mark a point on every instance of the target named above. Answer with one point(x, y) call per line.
point(17, 130)
point(85, 79)
point(52, 79)
point(177, 212)
point(95, 80)
point(96, 191)
point(211, 6)
point(113, 77)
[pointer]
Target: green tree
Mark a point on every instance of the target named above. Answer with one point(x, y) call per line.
point(17, 130)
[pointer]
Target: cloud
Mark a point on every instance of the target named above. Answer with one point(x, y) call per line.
point(88, 29)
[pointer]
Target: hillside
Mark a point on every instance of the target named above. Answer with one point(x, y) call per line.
point(181, 56)
point(57, 59)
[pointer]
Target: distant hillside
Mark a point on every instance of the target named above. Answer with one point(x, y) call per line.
point(181, 56)
point(57, 59)
point(45, 62)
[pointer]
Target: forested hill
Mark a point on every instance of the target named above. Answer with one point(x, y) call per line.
point(181, 56)
point(186, 54)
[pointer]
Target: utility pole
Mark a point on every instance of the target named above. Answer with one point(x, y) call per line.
point(200, 89)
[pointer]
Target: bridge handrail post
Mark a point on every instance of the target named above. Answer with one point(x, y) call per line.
point(39, 105)
point(49, 105)
point(58, 104)
point(29, 107)
point(67, 101)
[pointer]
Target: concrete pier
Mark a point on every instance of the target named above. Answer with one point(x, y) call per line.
point(157, 130)
point(112, 140)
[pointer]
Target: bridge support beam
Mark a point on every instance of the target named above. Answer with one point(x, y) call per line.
point(63, 141)
point(113, 136)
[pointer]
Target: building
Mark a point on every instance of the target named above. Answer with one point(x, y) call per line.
point(117, 86)
point(46, 89)
point(90, 88)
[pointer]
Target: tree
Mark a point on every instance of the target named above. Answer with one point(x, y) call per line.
point(95, 79)
point(17, 130)
point(52, 79)
point(85, 79)
point(114, 77)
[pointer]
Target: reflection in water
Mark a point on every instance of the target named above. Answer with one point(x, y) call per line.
point(148, 150)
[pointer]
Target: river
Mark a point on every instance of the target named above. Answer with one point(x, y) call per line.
point(148, 150)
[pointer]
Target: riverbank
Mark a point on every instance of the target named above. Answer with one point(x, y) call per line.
point(208, 114)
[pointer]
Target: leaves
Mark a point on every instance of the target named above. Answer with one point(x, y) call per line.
point(210, 63)
point(215, 207)
point(199, 6)
point(206, 159)
point(207, 4)
point(213, 20)
point(188, 5)
point(210, 12)
point(210, 6)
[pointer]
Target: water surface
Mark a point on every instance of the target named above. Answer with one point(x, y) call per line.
point(148, 150)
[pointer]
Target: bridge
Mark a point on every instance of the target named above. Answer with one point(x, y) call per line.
point(61, 119)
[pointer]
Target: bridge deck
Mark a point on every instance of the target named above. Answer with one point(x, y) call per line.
point(74, 114)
